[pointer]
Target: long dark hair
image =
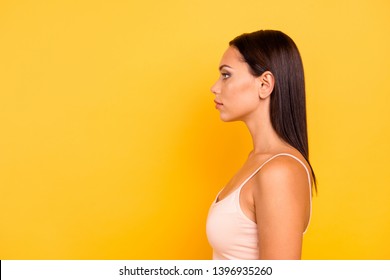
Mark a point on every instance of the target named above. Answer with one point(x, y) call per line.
point(274, 51)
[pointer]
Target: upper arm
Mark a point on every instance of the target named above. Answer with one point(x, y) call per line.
point(282, 207)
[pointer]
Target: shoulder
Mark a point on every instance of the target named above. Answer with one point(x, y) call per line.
point(282, 207)
point(283, 174)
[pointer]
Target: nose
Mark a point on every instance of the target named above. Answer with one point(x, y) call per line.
point(215, 88)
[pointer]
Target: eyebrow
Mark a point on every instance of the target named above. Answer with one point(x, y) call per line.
point(224, 65)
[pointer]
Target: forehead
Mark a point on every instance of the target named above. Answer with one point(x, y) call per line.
point(233, 58)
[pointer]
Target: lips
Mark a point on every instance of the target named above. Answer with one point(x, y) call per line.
point(218, 103)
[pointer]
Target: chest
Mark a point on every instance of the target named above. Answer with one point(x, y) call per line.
point(242, 175)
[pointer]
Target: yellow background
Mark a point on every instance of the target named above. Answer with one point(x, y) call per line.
point(110, 146)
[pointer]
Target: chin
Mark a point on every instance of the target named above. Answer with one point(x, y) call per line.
point(227, 118)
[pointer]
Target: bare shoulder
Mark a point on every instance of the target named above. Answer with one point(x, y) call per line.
point(283, 173)
point(281, 195)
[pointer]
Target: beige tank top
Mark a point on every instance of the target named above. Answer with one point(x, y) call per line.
point(231, 234)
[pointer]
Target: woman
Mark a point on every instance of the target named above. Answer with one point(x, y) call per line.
point(264, 210)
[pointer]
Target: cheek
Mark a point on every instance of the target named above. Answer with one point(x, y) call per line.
point(240, 99)
point(244, 92)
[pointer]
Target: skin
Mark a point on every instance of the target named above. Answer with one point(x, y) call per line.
point(277, 198)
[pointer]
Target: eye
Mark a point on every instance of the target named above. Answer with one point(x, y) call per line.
point(225, 75)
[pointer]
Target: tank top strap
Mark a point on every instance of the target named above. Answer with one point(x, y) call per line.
point(268, 160)
point(271, 158)
point(261, 166)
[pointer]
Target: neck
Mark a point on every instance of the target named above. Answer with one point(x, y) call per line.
point(264, 138)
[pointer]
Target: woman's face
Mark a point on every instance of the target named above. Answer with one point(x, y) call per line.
point(236, 90)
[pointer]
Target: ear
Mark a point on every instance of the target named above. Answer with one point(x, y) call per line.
point(266, 84)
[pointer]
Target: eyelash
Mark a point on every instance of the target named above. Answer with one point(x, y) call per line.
point(225, 75)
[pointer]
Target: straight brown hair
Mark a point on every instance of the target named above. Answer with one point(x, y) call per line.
point(274, 51)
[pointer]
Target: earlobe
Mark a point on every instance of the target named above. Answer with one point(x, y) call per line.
point(266, 87)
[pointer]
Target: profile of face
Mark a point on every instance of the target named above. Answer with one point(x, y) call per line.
point(237, 89)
